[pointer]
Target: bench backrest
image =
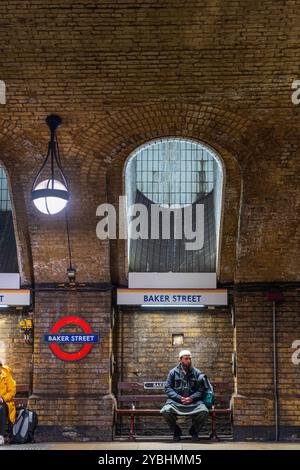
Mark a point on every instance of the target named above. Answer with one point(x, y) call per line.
point(22, 394)
point(135, 392)
point(223, 392)
point(22, 389)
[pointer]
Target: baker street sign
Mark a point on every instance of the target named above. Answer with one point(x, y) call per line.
point(172, 297)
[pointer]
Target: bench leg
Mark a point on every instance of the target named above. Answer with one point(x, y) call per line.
point(132, 427)
point(214, 436)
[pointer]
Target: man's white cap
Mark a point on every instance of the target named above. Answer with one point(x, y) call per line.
point(184, 352)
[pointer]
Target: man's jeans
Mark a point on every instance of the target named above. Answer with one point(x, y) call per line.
point(3, 418)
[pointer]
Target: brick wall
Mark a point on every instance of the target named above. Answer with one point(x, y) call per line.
point(74, 397)
point(253, 402)
point(120, 74)
point(143, 349)
point(288, 372)
point(13, 350)
point(148, 353)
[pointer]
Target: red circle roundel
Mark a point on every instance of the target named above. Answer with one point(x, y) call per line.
point(87, 338)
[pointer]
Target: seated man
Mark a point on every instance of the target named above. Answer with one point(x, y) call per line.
point(185, 388)
point(7, 406)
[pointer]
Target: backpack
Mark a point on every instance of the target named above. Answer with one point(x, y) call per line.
point(208, 395)
point(24, 427)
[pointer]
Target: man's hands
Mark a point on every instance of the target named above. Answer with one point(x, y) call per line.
point(186, 400)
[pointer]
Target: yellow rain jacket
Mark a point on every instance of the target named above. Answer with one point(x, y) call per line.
point(8, 391)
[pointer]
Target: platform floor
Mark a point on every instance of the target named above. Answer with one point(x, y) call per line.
point(144, 445)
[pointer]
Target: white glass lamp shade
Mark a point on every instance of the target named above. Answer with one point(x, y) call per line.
point(50, 199)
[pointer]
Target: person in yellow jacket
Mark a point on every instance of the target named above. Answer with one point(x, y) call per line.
point(7, 393)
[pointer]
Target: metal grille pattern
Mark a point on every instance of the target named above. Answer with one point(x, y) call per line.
point(174, 173)
point(5, 204)
point(8, 248)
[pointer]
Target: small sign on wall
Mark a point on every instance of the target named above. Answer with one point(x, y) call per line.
point(55, 338)
point(17, 297)
point(154, 385)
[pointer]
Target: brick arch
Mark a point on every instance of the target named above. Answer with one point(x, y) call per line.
point(108, 135)
point(125, 130)
point(22, 151)
point(94, 148)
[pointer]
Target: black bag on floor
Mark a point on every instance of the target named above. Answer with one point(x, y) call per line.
point(24, 427)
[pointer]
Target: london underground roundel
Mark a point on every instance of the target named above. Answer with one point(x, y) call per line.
point(55, 338)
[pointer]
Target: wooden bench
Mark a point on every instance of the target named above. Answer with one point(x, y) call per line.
point(133, 394)
point(22, 395)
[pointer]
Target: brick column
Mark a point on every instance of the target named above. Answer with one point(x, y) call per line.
point(253, 401)
point(73, 399)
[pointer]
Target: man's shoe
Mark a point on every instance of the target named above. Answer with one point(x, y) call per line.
point(194, 434)
point(177, 433)
point(2, 441)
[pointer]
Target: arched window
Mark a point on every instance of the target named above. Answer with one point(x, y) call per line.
point(175, 174)
point(8, 248)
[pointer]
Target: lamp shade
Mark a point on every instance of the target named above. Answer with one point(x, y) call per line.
point(50, 196)
point(50, 190)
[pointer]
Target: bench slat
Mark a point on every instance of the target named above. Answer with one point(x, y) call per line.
point(22, 392)
point(137, 398)
point(148, 398)
point(156, 412)
point(137, 411)
point(20, 401)
point(22, 388)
